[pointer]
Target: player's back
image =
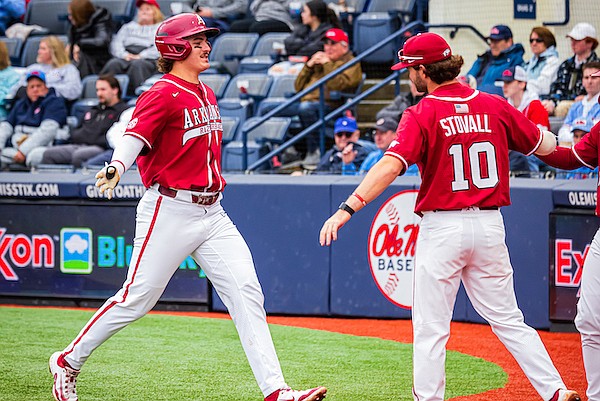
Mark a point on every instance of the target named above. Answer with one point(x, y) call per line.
point(462, 146)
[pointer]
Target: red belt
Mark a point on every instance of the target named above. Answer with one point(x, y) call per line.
point(205, 200)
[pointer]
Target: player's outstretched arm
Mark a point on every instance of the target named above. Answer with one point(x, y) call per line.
point(375, 182)
point(547, 145)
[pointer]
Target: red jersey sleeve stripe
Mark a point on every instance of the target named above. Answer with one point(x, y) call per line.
point(140, 137)
point(581, 160)
point(537, 145)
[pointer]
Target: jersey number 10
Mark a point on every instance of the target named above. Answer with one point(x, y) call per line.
point(482, 159)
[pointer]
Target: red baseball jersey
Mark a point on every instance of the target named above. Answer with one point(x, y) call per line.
point(585, 153)
point(180, 125)
point(460, 138)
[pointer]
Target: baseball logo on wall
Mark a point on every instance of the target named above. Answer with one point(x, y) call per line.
point(392, 242)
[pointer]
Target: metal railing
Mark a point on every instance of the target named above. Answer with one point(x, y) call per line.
point(320, 84)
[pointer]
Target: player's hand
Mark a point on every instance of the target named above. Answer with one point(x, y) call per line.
point(331, 227)
point(107, 180)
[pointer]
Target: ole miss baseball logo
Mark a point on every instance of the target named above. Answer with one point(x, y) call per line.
point(392, 245)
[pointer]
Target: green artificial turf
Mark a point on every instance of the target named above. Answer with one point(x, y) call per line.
point(178, 358)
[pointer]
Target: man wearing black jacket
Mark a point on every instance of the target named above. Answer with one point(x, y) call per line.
point(89, 138)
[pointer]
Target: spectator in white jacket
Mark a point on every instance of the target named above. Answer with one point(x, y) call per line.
point(133, 49)
point(61, 75)
point(542, 67)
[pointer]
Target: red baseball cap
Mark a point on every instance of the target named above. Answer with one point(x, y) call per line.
point(423, 48)
point(154, 3)
point(336, 35)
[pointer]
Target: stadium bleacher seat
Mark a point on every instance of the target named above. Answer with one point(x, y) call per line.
point(271, 132)
point(380, 19)
point(30, 49)
point(264, 54)
point(51, 15)
point(227, 51)
point(122, 11)
point(230, 128)
point(243, 94)
point(281, 89)
point(14, 46)
point(170, 7)
point(217, 82)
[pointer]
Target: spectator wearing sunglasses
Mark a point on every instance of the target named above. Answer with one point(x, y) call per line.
point(346, 147)
point(541, 69)
point(502, 54)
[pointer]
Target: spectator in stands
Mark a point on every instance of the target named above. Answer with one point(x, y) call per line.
point(384, 133)
point(89, 138)
point(8, 79)
point(133, 46)
point(33, 122)
point(10, 11)
point(61, 75)
point(336, 54)
point(267, 16)
point(568, 88)
point(585, 109)
point(579, 129)
point(219, 13)
point(346, 148)
point(516, 91)
point(502, 54)
point(113, 135)
point(542, 67)
point(89, 36)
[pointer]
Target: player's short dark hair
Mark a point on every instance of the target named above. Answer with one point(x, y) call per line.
point(112, 82)
point(164, 65)
point(445, 70)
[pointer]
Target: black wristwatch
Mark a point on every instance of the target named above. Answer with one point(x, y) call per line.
point(345, 207)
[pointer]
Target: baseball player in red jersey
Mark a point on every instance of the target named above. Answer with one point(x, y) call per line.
point(459, 138)
point(175, 134)
point(587, 153)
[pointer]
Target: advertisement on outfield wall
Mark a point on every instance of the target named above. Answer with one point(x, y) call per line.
point(78, 251)
point(571, 233)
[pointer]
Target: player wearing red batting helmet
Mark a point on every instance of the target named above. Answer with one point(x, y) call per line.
point(175, 138)
point(459, 138)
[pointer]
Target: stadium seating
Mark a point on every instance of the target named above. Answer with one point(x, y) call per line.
point(281, 89)
point(264, 54)
point(51, 15)
point(243, 94)
point(217, 82)
point(122, 11)
point(14, 46)
point(228, 49)
point(381, 19)
point(262, 138)
point(170, 7)
point(230, 128)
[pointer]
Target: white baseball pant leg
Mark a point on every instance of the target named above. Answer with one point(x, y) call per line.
point(227, 262)
point(588, 318)
point(167, 231)
point(469, 245)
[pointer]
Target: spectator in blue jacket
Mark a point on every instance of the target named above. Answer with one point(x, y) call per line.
point(346, 146)
point(542, 67)
point(33, 123)
point(10, 11)
point(502, 55)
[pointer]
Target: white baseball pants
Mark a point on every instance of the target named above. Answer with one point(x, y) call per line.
point(588, 318)
point(167, 231)
point(469, 245)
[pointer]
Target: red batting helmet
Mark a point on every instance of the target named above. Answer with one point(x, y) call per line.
point(171, 35)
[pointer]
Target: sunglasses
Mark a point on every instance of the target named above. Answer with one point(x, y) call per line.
point(330, 42)
point(346, 134)
point(537, 40)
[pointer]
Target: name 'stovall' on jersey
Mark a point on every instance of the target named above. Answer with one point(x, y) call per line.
point(466, 124)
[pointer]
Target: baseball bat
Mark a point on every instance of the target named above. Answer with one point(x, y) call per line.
point(110, 172)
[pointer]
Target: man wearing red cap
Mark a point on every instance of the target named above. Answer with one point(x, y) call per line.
point(336, 53)
point(459, 138)
point(586, 153)
point(175, 136)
